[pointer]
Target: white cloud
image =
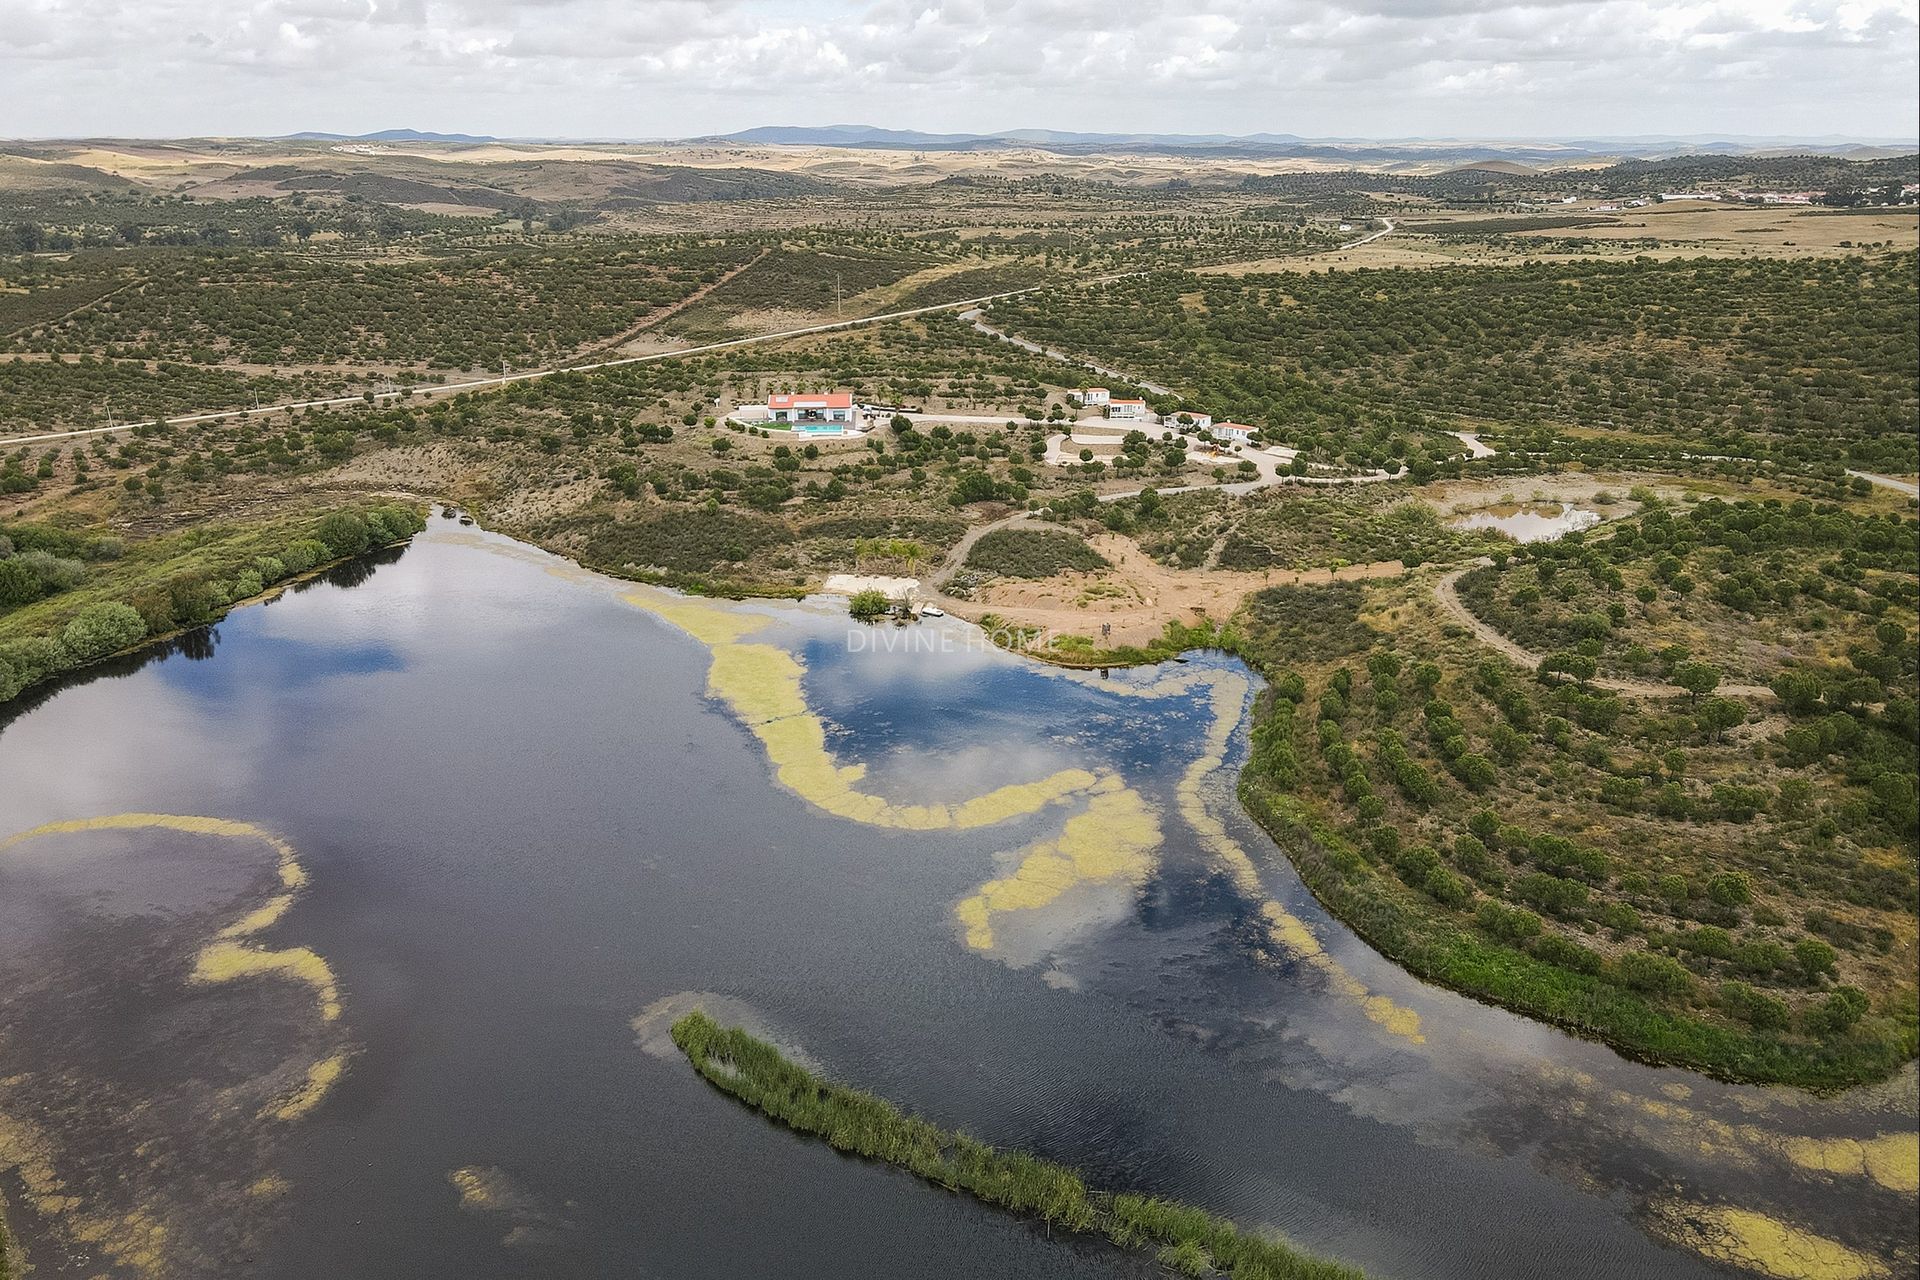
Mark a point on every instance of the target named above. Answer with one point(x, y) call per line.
point(680, 67)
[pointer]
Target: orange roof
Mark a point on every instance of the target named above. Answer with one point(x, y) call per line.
point(818, 400)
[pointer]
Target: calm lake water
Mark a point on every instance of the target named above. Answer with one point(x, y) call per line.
point(1532, 522)
point(521, 822)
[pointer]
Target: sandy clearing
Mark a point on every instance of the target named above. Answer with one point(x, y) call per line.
point(1137, 597)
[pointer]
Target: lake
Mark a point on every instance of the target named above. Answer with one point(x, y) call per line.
point(338, 942)
point(1531, 522)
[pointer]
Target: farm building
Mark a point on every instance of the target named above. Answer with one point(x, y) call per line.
point(821, 409)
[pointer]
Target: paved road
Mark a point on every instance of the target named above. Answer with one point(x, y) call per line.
point(1446, 591)
point(533, 375)
point(1907, 487)
point(975, 317)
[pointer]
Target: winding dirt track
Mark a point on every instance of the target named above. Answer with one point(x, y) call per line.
point(1445, 590)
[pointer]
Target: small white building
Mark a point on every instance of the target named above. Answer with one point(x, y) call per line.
point(1232, 432)
point(1093, 395)
point(1127, 409)
point(819, 410)
point(1186, 420)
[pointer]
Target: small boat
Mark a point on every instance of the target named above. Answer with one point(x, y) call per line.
point(931, 612)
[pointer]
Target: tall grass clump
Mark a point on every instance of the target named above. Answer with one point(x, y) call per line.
point(1189, 1240)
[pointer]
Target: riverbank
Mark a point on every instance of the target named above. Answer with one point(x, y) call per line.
point(1522, 975)
point(1585, 1005)
point(168, 593)
point(1190, 1241)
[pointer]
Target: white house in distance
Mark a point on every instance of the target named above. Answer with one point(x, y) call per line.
point(1126, 408)
point(1187, 419)
point(817, 413)
point(1231, 432)
point(1092, 396)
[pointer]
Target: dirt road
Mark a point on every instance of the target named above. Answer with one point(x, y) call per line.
point(1445, 590)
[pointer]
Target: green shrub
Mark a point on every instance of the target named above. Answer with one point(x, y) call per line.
point(1761, 1011)
point(1033, 553)
point(1568, 954)
point(345, 534)
point(1509, 924)
point(101, 629)
point(869, 604)
point(1836, 1014)
point(301, 556)
point(1555, 895)
point(1653, 974)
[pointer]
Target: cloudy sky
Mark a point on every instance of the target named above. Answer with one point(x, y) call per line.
point(674, 68)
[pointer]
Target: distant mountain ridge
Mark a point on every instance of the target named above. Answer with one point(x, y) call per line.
point(1383, 152)
point(1461, 151)
point(389, 135)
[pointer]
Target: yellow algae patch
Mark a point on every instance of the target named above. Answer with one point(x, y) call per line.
point(1112, 842)
point(1759, 1242)
point(228, 961)
point(321, 1077)
point(481, 1188)
point(761, 684)
point(226, 958)
point(291, 873)
point(709, 623)
point(1889, 1159)
point(1285, 930)
point(1290, 934)
point(134, 1239)
point(1020, 798)
point(1892, 1159)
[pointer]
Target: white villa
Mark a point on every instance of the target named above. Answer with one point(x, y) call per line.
point(1092, 395)
point(1186, 419)
point(1126, 408)
point(1231, 432)
point(819, 413)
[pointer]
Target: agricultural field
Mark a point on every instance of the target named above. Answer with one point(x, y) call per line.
point(1709, 356)
point(521, 306)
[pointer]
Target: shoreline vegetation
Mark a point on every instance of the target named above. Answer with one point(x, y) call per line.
point(1188, 1240)
point(85, 622)
point(1585, 1004)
